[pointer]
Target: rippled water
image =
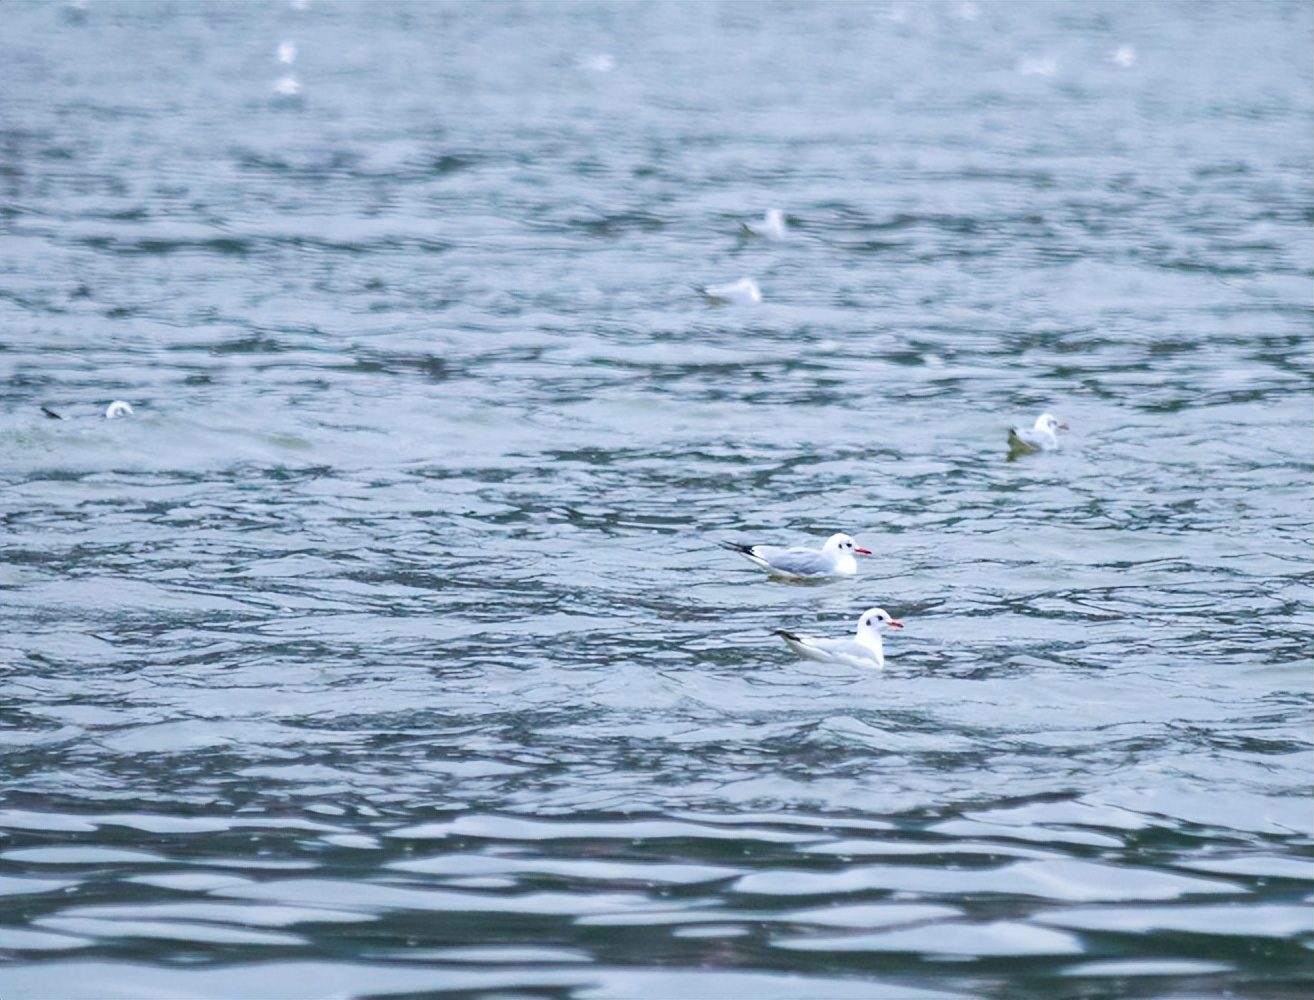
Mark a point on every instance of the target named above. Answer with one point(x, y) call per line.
point(387, 647)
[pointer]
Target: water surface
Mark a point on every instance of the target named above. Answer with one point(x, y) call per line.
point(387, 649)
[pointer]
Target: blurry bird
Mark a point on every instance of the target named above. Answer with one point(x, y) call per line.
point(1029, 440)
point(740, 293)
point(770, 227)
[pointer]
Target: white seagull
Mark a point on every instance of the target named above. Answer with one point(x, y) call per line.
point(743, 292)
point(863, 650)
point(1029, 440)
point(770, 227)
point(798, 563)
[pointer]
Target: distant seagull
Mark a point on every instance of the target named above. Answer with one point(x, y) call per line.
point(743, 292)
point(863, 650)
point(770, 228)
point(1029, 440)
point(798, 563)
point(116, 409)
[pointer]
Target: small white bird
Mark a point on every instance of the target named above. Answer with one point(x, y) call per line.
point(743, 292)
point(863, 650)
point(116, 409)
point(1029, 440)
point(771, 227)
point(798, 563)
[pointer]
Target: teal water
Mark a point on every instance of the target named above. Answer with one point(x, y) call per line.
point(387, 648)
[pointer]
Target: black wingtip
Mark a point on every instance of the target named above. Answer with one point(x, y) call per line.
point(51, 413)
point(736, 547)
point(785, 634)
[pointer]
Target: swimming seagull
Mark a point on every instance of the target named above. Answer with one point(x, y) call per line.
point(116, 409)
point(771, 227)
point(798, 563)
point(743, 292)
point(863, 650)
point(1029, 440)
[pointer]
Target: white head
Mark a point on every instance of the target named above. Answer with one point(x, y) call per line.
point(1047, 423)
point(845, 544)
point(876, 619)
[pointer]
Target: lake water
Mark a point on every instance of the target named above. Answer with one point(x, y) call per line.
point(387, 647)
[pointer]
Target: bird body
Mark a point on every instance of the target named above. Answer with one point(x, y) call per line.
point(863, 650)
point(743, 292)
point(770, 227)
point(835, 558)
point(1043, 436)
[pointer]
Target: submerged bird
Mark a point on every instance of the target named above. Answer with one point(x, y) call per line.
point(1029, 440)
point(116, 409)
point(743, 292)
point(863, 650)
point(770, 227)
point(834, 559)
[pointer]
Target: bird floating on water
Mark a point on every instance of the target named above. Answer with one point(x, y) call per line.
point(1041, 437)
point(743, 292)
point(770, 227)
point(116, 409)
point(863, 650)
point(835, 558)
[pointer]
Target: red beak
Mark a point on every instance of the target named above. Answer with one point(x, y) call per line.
point(862, 552)
point(895, 623)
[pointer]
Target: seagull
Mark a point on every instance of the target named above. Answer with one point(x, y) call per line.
point(770, 227)
point(1029, 440)
point(864, 650)
point(116, 409)
point(743, 292)
point(796, 562)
